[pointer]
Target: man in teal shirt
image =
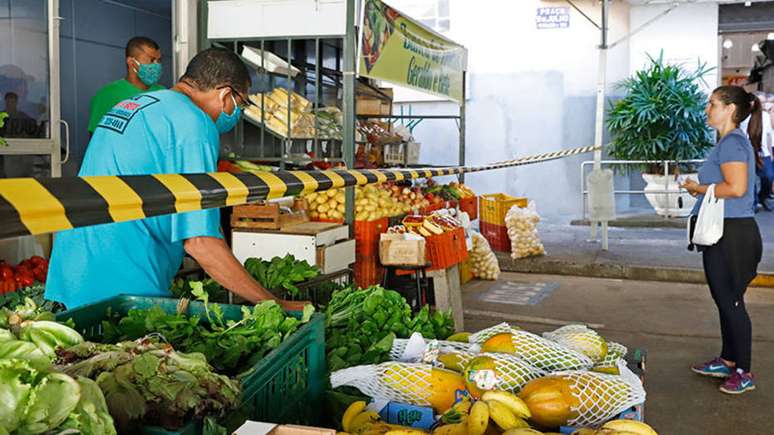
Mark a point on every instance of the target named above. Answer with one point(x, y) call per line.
point(162, 132)
point(143, 71)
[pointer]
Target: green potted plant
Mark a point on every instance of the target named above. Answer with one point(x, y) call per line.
point(660, 118)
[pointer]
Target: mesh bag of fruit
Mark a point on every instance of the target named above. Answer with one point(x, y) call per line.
point(522, 230)
point(496, 371)
point(410, 383)
point(535, 350)
point(485, 334)
point(581, 398)
point(581, 339)
point(398, 350)
point(616, 353)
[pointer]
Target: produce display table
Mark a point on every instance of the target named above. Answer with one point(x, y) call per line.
point(448, 293)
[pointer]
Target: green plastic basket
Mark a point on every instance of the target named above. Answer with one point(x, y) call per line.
point(283, 387)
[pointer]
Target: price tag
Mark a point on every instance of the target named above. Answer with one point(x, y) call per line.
point(484, 379)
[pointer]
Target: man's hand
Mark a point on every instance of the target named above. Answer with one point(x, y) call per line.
point(215, 257)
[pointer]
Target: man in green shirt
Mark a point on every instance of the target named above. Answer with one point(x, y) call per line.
point(143, 70)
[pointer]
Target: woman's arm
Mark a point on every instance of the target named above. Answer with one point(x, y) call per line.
point(734, 183)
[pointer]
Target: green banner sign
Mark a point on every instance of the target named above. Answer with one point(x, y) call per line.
point(395, 49)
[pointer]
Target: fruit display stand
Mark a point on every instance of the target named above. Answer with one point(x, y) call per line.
point(276, 389)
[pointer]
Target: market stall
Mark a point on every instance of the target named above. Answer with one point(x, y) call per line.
point(362, 357)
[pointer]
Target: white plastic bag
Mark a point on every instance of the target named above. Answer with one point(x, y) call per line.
point(709, 224)
point(522, 230)
point(483, 262)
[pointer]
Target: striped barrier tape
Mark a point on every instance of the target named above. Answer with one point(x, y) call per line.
point(38, 206)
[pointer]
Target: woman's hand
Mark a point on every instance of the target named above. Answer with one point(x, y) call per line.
point(691, 186)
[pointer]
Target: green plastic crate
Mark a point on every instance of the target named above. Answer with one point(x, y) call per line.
point(283, 387)
point(191, 428)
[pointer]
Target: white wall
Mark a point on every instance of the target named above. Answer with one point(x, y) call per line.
point(687, 34)
point(532, 91)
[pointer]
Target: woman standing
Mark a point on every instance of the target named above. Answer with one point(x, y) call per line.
point(731, 263)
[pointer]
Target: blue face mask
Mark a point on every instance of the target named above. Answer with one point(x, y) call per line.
point(226, 122)
point(148, 73)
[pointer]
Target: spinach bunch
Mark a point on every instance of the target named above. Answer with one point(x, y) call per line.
point(181, 288)
point(230, 346)
point(281, 273)
point(362, 324)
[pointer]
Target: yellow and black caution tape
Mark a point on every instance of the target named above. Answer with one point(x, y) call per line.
point(37, 206)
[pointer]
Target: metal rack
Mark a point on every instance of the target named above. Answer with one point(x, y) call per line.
point(325, 56)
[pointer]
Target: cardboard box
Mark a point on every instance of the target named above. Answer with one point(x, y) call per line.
point(374, 104)
point(372, 107)
point(402, 250)
point(256, 428)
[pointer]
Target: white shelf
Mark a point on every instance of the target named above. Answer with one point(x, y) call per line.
point(253, 19)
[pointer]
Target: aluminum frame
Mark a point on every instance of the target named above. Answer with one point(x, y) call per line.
point(50, 146)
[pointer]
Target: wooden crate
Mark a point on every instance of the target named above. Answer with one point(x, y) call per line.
point(264, 216)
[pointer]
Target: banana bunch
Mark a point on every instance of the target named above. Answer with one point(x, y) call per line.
point(496, 409)
point(619, 427)
point(359, 421)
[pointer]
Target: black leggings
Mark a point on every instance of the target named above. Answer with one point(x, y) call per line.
point(729, 266)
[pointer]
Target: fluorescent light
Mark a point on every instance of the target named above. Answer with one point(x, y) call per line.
point(728, 43)
point(748, 3)
point(770, 37)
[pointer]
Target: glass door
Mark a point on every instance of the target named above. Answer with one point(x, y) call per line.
point(29, 88)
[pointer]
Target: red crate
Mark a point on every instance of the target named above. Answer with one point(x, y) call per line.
point(460, 246)
point(443, 250)
point(368, 272)
point(431, 208)
point(496, 235)
point(470, 206)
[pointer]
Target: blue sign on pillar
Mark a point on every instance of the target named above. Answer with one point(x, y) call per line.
point(553, 18)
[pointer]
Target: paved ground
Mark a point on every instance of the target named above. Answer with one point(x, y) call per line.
point(677, 325)
point(634, 252)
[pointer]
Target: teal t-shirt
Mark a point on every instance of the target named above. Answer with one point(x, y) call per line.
point(733, 147)
point(160, 132)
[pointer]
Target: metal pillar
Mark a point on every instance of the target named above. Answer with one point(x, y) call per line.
point(600, 113)
point(348, 71)
point(462, 128)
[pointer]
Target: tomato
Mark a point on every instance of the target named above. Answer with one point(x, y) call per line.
point(37, 260)
point(6, 272)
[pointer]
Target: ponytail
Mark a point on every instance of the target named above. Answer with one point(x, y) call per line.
point(755, 126)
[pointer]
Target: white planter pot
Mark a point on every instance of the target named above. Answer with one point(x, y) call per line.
point(669, 204)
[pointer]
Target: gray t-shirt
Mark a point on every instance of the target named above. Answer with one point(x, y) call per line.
point(733, 147)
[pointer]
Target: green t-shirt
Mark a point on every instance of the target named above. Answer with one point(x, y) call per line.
point(109, 96)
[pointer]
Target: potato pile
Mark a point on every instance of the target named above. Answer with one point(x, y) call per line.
point(372, 202)
point(483, 262)
point(522, 230)
point(326, 205)
point(375, 202)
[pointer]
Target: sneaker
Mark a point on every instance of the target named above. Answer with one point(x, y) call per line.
point(738, 383)
point(715, 368)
